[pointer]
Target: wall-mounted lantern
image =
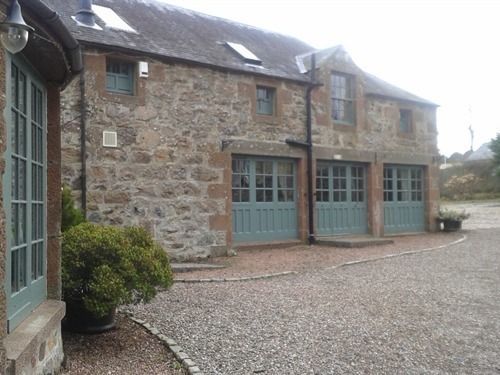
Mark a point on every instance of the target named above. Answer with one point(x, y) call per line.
point(14, 31)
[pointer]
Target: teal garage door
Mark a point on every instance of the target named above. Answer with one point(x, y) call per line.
point(340, 199)
point(264, 204)
point(403, 199)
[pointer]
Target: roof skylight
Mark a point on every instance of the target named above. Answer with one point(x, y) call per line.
point(111, 19)
point(247, 55)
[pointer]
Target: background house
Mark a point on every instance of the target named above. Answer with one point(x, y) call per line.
point(472, 175)
point(31, 80)
point(196, 127)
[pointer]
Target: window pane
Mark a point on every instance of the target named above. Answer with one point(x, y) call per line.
point(34, 254)
point(404, 121)
point(120, 77)
point(269, 195)
point(22, 92)
point(265, 100)
point(14, 271)
point(269, 181)
point(259, 181)
point(22, 268)
point(285, 168)
point(245, 195)
point(259, 195)
point(236, 195)
point(342, 98)
point(41, 260)
point(240, 180)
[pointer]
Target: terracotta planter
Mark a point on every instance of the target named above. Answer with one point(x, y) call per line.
point(452, 225)
point(79, 319)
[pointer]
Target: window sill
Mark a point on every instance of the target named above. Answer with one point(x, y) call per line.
point(410, 135)
point(346, 126)
point(35, 346)
point(121, 98)
point(266, 119)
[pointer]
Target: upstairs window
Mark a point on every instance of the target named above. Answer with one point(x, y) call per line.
point(120, 77)
point(405, 121)
point(342, 96)
point(265, 100)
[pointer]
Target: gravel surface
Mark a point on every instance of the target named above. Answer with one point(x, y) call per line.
point(309, 258)
point(435, 312)
point(129, 349)
point(484, 214)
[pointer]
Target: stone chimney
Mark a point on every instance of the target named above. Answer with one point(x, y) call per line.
point(85, 14)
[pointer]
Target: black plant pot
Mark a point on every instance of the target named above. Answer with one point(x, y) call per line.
point(452, 225)
point(79, 319)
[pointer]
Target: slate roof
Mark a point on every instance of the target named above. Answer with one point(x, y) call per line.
point(482, 153)
point(174, 32)
point(379, 87)
point(374, 85)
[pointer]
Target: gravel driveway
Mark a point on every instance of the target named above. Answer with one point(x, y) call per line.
point(484, 215)
point(436, 312)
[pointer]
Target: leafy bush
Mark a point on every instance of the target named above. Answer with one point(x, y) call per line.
point(463, 187)
point(106, 266)
point(71, 216)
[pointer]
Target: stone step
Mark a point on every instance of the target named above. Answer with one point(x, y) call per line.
point(268, 245)
point(187, 267)
point(352, 242)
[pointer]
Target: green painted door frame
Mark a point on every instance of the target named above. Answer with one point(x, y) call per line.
point(264, 206)
point(24, 190)
point(404, 210)
point(341, 199)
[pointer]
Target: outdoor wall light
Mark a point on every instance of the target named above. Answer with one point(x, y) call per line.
point(14, 31)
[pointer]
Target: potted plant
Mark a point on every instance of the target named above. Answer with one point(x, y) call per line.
point(452, 219)
point(104, 267)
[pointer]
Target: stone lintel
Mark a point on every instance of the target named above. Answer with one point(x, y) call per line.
point(262, 148)
point(340, 154)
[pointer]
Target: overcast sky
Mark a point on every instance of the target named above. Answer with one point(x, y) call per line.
point(447, 51)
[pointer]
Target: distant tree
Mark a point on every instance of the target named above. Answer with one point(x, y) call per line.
point(495, 148)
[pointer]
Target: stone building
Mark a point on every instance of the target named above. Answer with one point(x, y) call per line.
point(214, 134)
point(30, 134)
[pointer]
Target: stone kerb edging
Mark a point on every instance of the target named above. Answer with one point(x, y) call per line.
point(411, 252)
point(352, 263)
point(175, 348)
point(229, 279)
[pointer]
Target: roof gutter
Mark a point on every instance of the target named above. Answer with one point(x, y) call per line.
point(52, 19)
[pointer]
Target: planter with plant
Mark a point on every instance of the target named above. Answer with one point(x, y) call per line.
point(104, 267)
point(452, 219)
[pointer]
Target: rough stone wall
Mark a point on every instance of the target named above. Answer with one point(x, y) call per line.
point(383, 133)
point(375, 138)
point(3, 245)
point(169, 173)
point(377, 119)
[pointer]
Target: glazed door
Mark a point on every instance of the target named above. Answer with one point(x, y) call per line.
point(340, 199)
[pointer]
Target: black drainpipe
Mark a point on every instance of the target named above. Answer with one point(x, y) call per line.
point(308, 145)
point(83, 145)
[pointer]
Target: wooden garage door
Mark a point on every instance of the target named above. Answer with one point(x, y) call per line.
point(264, 204)
point(340, 199)
point(403, 199)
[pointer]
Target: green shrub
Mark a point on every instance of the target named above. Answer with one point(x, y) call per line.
point(106, 266)
point(71, 216)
